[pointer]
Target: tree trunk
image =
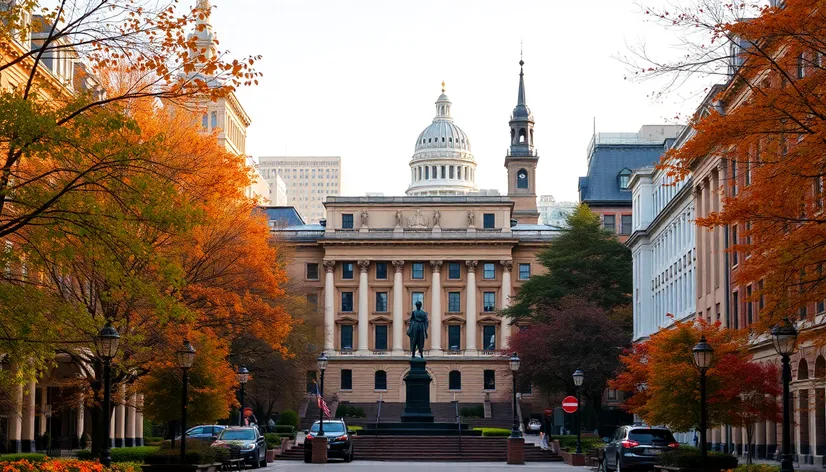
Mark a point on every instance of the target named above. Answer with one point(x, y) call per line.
point(749, 433)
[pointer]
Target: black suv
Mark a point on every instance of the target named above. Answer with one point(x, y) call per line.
point(637, 447)
point(339, 440)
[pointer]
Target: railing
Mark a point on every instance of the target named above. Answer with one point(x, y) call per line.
point(378, 415)
point(459, 423)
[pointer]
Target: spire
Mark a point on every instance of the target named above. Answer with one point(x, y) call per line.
point(521, 111)
point(520, 100)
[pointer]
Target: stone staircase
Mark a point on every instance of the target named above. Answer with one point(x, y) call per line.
point(433, 449)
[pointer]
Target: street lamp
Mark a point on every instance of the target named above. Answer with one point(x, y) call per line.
point(107, 342)
point(703, 352)
point(243, 376)
point(185, 357)
point(322, 366)
point(579, 377)
point(514, 365)
point(784, 335)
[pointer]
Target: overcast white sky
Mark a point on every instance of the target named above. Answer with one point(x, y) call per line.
point(358, 78)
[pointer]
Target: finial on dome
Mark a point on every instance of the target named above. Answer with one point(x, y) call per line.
point(443, 86)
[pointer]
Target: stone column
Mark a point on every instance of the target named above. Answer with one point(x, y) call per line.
point(44, 400)
point(760, 440)
point(329, 306)
point(398, 309)
point(364, 310)
point(436, 309)
point(27, 426)
point(737, 439)
point(138, 434)
point(120, 416)
point(129, 440)
point(505, 325)
point(16, 418)
point(470, 309)
point(771, 439)
point(81, 417)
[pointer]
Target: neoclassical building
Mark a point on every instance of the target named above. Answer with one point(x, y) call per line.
point(462, 255)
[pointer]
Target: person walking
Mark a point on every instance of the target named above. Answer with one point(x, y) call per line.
point(543, 434)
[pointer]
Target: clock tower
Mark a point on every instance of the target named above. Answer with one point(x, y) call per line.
point(521, 159)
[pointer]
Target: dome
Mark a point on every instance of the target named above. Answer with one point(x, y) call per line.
point(443, 132)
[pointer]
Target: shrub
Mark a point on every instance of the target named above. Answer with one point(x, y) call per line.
point(124, 454)
point(355, 427)
point(288, 429)
point(568, 442)
point(152, 440)
point(756, 468)
point(691, 458)
point(500, 432)
point(24, 456)
point(273, 440)
point(288, 417)
point(473, 411)
point(126, 467)
point(196, 453)
point(350, 411)
point(85, 441)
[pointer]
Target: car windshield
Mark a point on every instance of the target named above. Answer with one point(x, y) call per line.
point(648, 436)
point(237, 435)
point(329, 428)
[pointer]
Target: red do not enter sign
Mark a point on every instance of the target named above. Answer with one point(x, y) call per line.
point(549, 411)
point(570, 405)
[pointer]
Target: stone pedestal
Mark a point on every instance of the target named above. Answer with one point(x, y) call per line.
point(417, 382)
point(319, 449)
point(516, 451)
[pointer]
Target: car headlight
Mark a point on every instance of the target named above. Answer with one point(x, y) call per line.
point(248, 447)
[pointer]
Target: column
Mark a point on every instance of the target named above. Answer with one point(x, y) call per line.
point(120, 414)
point(364, 309)
point(329, 306)
point(81, 417)
point(760, 440)
point(771, 439)
point(398, 309)
point(44, 400)
point(129, 439)
point(505, 324)
point(27, 426)
point(436, 309)
point(470, 309)
point(737, 439)
point(16, 418)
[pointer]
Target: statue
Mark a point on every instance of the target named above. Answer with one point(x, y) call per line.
point(364, 217)
point(470, 218)
point(436, 217)
point(417, 330)
point(398, 218)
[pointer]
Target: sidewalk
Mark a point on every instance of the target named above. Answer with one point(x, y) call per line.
point(797, 465)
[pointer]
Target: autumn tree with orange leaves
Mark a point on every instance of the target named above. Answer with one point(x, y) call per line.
point(768, 124)
point(665, 384)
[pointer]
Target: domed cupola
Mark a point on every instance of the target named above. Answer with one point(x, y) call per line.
point(442, 163)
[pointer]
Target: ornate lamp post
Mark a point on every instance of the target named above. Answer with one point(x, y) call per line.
point(185, 357)
point(784, 335)
point(322, 366)
point(107, 342)
point(703, 352)
point(243, 376)
point(514, 362)
point(579, 377)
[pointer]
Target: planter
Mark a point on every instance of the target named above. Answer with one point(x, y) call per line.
point(215, 467)
point(573, 459)
point(270, 455)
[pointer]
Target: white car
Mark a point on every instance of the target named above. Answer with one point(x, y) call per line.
point(534, 426)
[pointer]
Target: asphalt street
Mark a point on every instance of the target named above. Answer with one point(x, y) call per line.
point(421, 466)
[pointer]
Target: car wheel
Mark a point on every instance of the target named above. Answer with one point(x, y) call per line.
point(263, 461)
point(348, 457)
point(256, 463)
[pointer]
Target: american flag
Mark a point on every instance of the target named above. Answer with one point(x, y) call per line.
point(320, 402)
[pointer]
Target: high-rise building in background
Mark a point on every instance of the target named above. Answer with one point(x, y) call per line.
point(554, 213)
point(308, 179)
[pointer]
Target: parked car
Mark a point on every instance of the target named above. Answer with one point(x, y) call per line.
point(339, 440)
point(534, 426)
point(248, 439)
point(637, 447)
point(206, 433)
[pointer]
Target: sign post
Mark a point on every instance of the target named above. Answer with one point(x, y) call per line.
point(570, 404)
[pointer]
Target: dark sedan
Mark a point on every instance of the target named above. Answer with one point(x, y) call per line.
point(249, 441)
point(634, 447)
point(339, 440)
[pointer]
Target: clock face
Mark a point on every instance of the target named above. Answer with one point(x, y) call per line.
point(522, 175)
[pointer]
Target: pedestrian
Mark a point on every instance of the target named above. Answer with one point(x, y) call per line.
point(695, 439)
point(543, 434)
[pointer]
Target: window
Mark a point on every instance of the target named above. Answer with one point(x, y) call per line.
point(749, 306)
point(443, 172)
point(522, 179)
point(205, 121)
point(347, 271)
point(454, 337)
point(418, 270)
point(624, 178)
point(734, 177)
point(346, 337)
point(454, 271)
point(735, 310)
point(381, 301)
point(454, 302)
point(609, 223)
point(214, 119)
point(450, 172)
point(490, 380)
point(489, 221)
point(381, 337)
point(454, 380)
point(612, 394)
point(489, 301)
point(801, 66)
point(381, 270)
point(626, 224)
point(488, 271)
point(735, 258)
point(346, 379)
point(312, 271)
point(489, 337)
point(417, 297)
point(347, 221)
point(381, 380)
point(346, 301)
point(524, 271)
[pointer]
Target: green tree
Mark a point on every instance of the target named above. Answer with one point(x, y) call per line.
point(586, 261)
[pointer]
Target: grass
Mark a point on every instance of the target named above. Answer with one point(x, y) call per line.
point(124, 454)
point(497, 432)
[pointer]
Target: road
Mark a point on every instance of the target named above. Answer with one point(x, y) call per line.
point(369, 466)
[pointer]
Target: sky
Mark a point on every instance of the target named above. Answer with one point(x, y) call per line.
point(359, 78)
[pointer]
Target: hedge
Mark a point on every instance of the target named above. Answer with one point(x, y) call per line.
point(756, 468)
point(197, 452)
point(691, 458)
point(499, 432)
point(568, 442)
point(29, 456)
point(475, 411)
point(273, 440)
point(124, 454)
point(288, 417)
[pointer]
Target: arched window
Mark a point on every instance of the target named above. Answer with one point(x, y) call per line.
point(454, 380)
point(820, 367)
point(521, 135)
point(381, 380)
point(522, 179)
point(802, 370)
point(214, 119)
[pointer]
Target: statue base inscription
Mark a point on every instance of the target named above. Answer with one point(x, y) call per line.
point(417, 382)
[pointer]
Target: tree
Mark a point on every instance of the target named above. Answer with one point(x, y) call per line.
point(584, 261)
point(575, 335)
point(767, 125)
point(665, 384)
